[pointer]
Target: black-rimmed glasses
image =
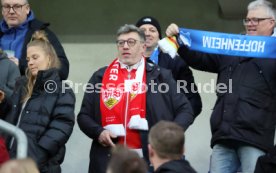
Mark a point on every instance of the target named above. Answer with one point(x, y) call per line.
point(15, 8)
point(254, 21)
point(130, 42)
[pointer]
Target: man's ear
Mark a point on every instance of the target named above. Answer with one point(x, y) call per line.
point(273, 23)
point(151, 150)
point(144, 47)
point(28, 7)
point(183, 150)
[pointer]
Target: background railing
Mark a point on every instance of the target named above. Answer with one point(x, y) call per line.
point(19, 136)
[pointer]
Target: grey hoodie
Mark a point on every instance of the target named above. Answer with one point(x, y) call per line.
point(9, 71)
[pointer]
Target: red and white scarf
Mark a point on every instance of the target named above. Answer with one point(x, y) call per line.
point(123, 102)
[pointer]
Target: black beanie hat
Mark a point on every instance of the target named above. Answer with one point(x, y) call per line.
point(150, 20)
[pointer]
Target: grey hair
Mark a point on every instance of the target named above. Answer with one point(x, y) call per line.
point(127, 28)
point(26, 2)
point(268, 6)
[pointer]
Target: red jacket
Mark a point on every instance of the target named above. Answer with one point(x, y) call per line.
point(4, 155)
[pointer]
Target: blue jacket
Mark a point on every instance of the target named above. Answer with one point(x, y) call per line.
point(13, 38)
point(33, 25)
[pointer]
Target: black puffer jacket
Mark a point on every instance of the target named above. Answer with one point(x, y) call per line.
point(171, 106)
point(246, 112)
point(182, 72)
point(175, 166)
point(47, 119)
point(36, 25)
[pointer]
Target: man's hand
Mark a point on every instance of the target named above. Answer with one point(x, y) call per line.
point(105, 138)
point(172, 30)
point(2, 96)
point(15, 60)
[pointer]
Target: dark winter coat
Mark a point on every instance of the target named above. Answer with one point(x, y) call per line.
point(267, 163)
point(47, 119)
point(171, 106)
point(182, 72)
point(175, 166)
point(246, 112)
point(36, 25)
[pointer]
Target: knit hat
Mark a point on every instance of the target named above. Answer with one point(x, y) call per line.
point(150, 20)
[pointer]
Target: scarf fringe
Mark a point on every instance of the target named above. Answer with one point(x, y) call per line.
point(116, 129)
point(138, 123)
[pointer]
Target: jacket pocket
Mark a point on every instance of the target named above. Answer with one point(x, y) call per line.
point(39, 154)
point(256, 98)
point(255, 110)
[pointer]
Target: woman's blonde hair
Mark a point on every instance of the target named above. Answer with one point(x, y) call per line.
point(39, 38)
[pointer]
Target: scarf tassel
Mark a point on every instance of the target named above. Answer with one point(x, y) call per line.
point(116, 129)
point(138, 123)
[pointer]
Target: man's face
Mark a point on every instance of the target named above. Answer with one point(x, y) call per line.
point(130, 48)
point(17, 15)
point(259, 23)
point(152, 35)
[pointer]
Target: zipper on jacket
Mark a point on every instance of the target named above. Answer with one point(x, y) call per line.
point(14, 36)
point(18, 121)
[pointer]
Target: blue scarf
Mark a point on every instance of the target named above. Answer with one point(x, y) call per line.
point(228, 44)
point(154, 55)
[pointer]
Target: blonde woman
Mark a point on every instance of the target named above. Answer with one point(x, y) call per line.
point(40, 107)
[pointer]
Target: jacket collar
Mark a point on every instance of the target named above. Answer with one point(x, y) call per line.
point(36, 24)
point(152, 70)
point(44, 77)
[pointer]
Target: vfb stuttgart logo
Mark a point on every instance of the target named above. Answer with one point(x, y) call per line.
point(112, 96)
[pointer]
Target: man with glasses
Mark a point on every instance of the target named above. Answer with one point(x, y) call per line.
point(124, 100)
point(16, 29)
point(243, 121)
